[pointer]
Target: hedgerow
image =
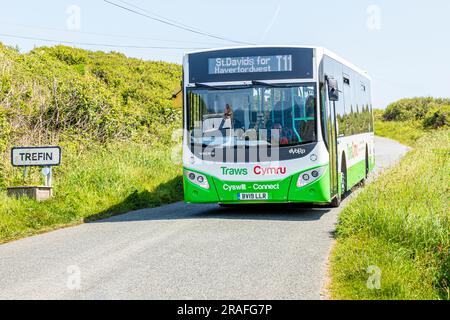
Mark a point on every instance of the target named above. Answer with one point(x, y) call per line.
point(50, 92)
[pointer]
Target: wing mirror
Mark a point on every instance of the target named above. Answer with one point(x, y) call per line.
point(333, 89)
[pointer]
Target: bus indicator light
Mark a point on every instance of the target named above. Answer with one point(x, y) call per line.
point(310, 176)
point(198, 179)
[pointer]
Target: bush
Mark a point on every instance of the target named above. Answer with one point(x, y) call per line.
point(5, 130)
point(4, 138)
point(112, 115)
point(412, 108)
point(437, 117)
point(71, 56)
point(53, 92)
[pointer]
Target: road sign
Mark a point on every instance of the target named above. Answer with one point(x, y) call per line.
point(35, 156)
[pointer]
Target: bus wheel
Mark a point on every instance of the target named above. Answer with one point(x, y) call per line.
point(336, 202)
point(367, 163)
point(344, 179)
point(366, 173)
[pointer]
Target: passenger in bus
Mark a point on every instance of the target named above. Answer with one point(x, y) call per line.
point(310, 106)
point(238, 118)
point(282, 133)
point(307, 127)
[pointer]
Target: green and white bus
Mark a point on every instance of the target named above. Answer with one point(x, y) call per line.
point(274, 124)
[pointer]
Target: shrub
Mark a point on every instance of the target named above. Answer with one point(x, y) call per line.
point(437, 117)
point(113, 117)
point(57, 92)
point(5, 130)
point(412, 108)
point(71, 56)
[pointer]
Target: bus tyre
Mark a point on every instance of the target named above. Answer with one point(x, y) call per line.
point(336, 202)
point(366, 172)
point(367, 162)
point(344, 178)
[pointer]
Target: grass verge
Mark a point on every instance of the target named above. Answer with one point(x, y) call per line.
point(397, 230)
point(94, 183)
point(406, 132)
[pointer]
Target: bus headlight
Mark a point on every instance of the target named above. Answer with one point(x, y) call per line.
point(310, 176)
point(198, 179)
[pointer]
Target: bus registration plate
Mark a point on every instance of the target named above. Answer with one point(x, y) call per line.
point(253, 196)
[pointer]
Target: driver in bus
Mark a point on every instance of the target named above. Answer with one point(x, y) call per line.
point(228, 112)
point(227, 117)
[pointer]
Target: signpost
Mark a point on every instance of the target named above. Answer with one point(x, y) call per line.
point(35, 156)
point(45, 157)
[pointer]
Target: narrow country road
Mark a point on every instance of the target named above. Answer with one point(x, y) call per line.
point(181, 251)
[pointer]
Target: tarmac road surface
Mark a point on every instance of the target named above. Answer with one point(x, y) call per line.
point(182, 251)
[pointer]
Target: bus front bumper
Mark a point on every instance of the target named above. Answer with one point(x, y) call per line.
point(282, 191)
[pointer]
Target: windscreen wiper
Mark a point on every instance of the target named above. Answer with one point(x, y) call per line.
point(227, 87)
point(273, 85)
point(207, 86)
point(254, 82)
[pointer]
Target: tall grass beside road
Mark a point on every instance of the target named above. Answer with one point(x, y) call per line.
point(94, 183)
point(405, 132)
point(113, 116)
point(393, 239)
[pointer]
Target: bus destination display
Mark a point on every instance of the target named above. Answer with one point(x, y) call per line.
point(251, 64)
point(254, 64)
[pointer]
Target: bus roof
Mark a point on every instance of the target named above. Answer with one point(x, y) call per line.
point(324, 51)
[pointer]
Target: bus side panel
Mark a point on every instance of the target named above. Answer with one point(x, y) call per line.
point(356, 173)
point(353, 149)
point(354, 121)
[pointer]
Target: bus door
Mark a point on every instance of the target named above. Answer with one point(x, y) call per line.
point(332, 95)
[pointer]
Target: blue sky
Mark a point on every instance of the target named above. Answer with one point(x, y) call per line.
point(404, 45)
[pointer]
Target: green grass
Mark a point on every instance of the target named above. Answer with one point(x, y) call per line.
point(400, 224)
point(92, 183)
point(114, 117)
point(406, 132)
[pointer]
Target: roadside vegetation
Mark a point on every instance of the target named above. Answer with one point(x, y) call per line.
point(407, 120)
point(397, 230)
point(113, 116)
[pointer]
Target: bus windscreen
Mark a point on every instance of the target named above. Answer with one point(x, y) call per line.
point(250, 116)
